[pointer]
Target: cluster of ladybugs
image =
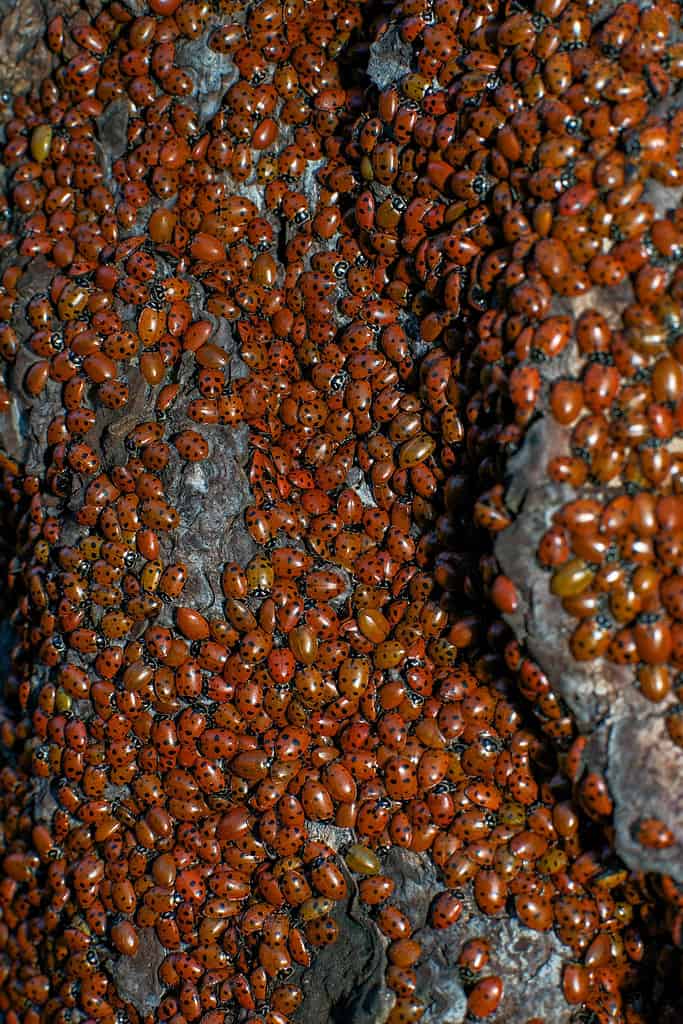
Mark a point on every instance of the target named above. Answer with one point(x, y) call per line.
point(388, 261)
point(615, 562)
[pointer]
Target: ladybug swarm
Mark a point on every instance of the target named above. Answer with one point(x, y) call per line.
point(394, 265)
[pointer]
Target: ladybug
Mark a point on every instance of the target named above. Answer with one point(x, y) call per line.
point(490, 892)
point(329, 881)
point(574, 984)
point(594, 795)
point(55, 34)
point(534, 910)
point(316, 801)
point(191, 446)
point(504, 594)
point(286, 999)
point(445, 910)
point(125, 938)
point(485, 997)
point(374, 891)
point(322, 931)
point(82, 459)
point(393, 923)
point(553, 548)
point(653, 834)
point(400, 778)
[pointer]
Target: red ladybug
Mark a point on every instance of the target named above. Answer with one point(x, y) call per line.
point(654, 834)
point(445, 910)
point(191, 446)
point(375, 891)
point(594, 795)
point(484, 999)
